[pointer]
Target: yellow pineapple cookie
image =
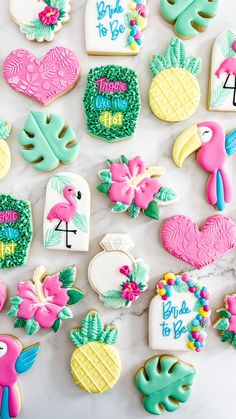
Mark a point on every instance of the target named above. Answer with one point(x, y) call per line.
point(95, 364)
point(5, 154)
point(174, 94)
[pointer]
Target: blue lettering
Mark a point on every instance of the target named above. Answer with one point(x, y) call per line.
point(179, 329)
point(106, 9)
point(165, 329)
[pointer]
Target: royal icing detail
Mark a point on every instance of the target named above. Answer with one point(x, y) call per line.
point(132, 186)
point(5, 154)
point(43, 302)
point(39, 20)
point(114, 27)
point(174, 93)
point(226, 324)
point(47, 141)
point(14, 360)
point(201, 246)
point(165, 383)
point(179, 314)
point(16, 231)
point(115, 275)
point(222, 90)
point(67, 213)
point(189, 17)
point(213, 146)
point(3, 295)
point(95, 364)
point(112, 102)
point(56, 74)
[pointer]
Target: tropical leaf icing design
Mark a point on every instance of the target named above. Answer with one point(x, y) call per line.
point(226, 324)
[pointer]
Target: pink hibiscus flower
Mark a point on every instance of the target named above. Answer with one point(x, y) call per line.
point(129, 186)
point(231, 307)
point(49, 16)
point(130, 291)
point(44, 312)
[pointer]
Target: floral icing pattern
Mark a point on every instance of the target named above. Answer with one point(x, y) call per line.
point(43, 302)
point(132, 187)
point(226, 324)
point(45, 80)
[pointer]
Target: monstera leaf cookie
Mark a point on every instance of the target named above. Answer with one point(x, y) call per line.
point(5, 154)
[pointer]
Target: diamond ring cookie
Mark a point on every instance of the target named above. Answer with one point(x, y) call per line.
point(165, 383)
point(95, 364)
point(174, 93)
point(14, 360)
point(115, 27)
point(46, 80)
point(179, 314)
point(39, 20)
point(132, 186)
point(115, 275)
point(5, 154)
point(45, 301)
point(47, 141)
point(226, 324)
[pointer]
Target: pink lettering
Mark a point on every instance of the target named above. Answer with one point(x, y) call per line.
point(8, 216)
point(110, 86)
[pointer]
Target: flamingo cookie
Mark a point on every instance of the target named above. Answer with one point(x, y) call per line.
point(67, 213)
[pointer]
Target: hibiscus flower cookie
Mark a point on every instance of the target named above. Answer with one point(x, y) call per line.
point(46, 80)
point(39, 20)
point(43, 302)
point(174, 94)
point(179, 314)
point(226, 324)
point(114, 27)
point(5, 154)
point(112, 102)
point(95, 364)
point(132, 186)
point(115, 275)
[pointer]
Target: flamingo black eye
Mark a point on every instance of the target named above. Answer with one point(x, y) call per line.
point(79, 195)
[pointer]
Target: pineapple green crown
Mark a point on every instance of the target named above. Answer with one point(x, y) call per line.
point(93, 330)
point(5, 129)
point(175, 56)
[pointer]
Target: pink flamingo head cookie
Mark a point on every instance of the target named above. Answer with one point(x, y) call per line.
point(44, 81)
point(226, 324)
point(213, 146)
point(199, 247)
point(14, 360)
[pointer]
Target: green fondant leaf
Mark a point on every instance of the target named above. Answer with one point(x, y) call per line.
point(56, 325)
point(124, 159)
point(52, 237)
point(67, 276)
point(92, 329)
point(224, 313)
point(15, 300)
point(80, 221)
point(13, 310)
point(5, 129)
point(37, 31)
point(65, 314)
point(105, 175)
point(109, 162)
point(110, 335)
point(120, 207)
point(234, 342)
point(152, 210)
point(133, 210)
point(183, 287)
point(77, 339)
point(226, 336)
point(222, 324)
point(104, 187)
point(140, 272)
point(19, 323)
point(113, 298)
point(31, 327)
point(75, 296)
point(166, 194)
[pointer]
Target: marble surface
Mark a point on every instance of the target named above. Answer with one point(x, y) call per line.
point(49, 390)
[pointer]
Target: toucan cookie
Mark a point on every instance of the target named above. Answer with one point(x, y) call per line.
point(114, 27)
point(115, 275)
point(16, 231)
point(46, 80)
point(132, 186)
point(112, 102)
point(165, 383)
point(45, 301)
point(95, 364)
point(226, 324)
point(47, 141)
point(179, 314)
point(174, 94)
point(39, 20)
point(5, 154)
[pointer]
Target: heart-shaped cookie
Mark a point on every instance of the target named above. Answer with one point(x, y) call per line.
point(45, 80)
point(199, 247)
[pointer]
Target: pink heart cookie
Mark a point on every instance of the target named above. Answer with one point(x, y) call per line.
point(181, 237)
point(45, 80)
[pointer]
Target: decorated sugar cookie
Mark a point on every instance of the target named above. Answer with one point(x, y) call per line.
point(112, 102)
point(133, 187)
point(213, 146)
point(16, 231)
point(226, 324)
point(67, 213)
point(39, 20)
point(165, 383)
point(189, 17)
point(46, 80)
point(179, 314)
point(3, 295)
point(5, 154)
point(201, 246)
point(95, 364)
point(174, 94)
point(47, 141)
point(14, 360)
point(114, 27)
point(43, 302)
point(115, 275)
point(222, 89)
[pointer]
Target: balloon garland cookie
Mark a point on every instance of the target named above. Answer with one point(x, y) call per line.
point(174, 94)
point(226, 324)
point(115, 275)
point(179, 314)
point(133, 187)
point(95, 364)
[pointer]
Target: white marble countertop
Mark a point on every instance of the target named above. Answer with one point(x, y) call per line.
point(49, 390)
